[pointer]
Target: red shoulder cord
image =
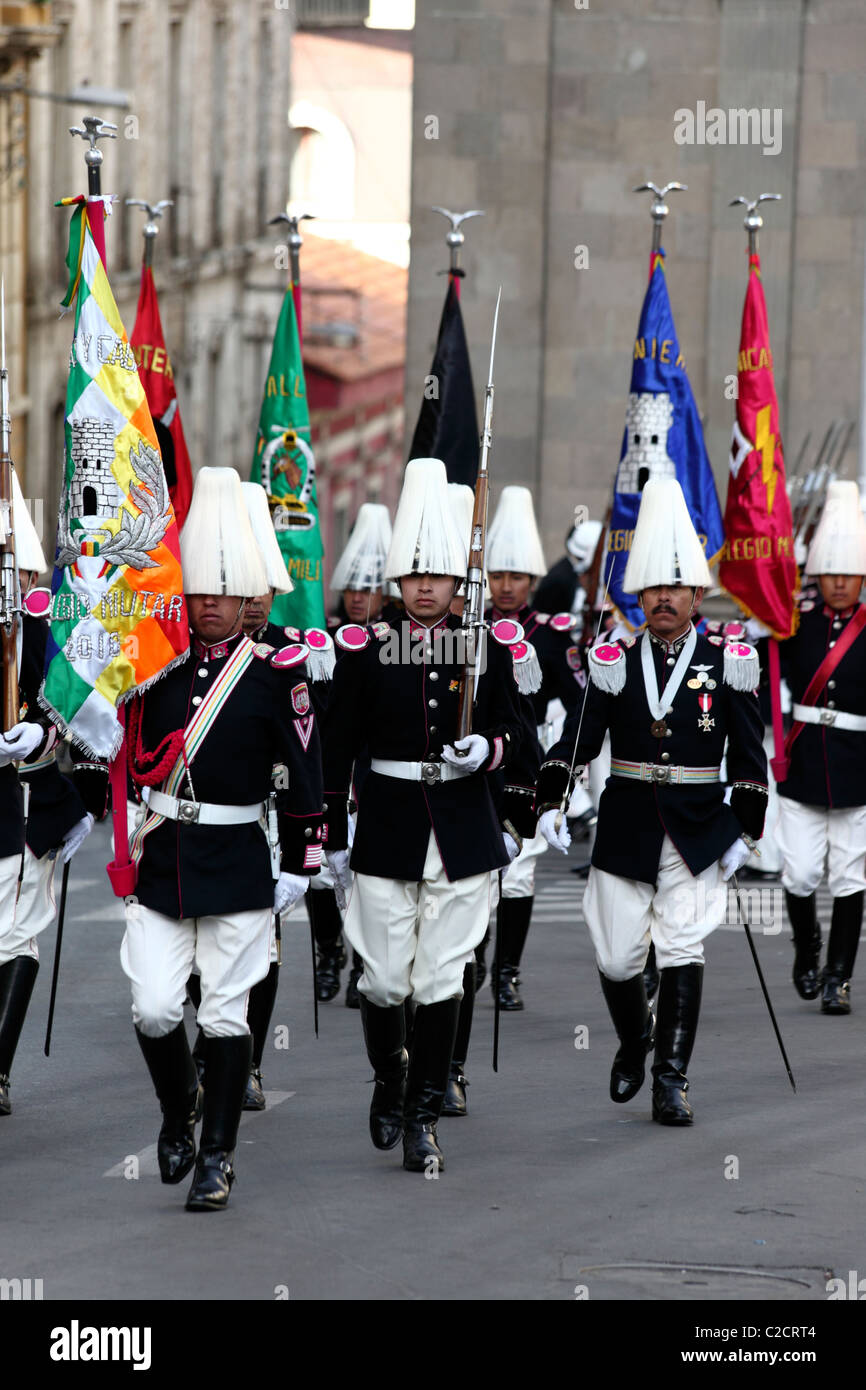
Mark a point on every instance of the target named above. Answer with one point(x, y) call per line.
point(149, 769)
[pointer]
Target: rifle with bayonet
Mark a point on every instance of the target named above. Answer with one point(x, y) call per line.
point(10, 593)
point(473, 608)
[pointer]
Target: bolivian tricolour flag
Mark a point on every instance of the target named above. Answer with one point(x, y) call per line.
point(118, 618)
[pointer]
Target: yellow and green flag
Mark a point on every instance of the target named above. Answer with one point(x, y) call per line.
point(284, 464)
point(118, 617)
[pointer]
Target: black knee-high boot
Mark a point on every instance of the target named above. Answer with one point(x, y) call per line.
point(634, 1024)
point(385, 1036)
point(807, 944)
point(514, 918)
point(173, 1073)
point(455, 1091)
point(330, 951)
point(227, 1067)
point(679, 1005)
point(429, 1066)
point(841, 954)
point(259, 1010)
point(17, 978)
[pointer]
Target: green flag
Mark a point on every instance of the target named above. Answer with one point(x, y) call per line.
point(284, 465)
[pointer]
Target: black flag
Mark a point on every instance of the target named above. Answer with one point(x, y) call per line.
point(447, 427)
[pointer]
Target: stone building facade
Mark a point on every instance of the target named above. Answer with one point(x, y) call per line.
point(546, 113)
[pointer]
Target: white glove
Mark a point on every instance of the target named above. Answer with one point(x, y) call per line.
point(20, 742)
point(511, 846)
point(557, 839)
point(338, 862)
point(734, 858)
point(478, 752)
point(75, 837)
point(287, 889)
point(755, 629)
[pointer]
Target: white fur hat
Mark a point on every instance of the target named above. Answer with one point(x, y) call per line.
point(362, 563)
point(513, 542)
point(581, 544)
point(218, 551)
point(29, 554)
point(427, 538)
point(839, 543)
point(665, 547)
point(259, 513)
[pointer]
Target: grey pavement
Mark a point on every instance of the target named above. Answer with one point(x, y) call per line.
point(550, 1193)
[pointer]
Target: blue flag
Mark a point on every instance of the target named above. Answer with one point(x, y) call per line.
point(663, 438)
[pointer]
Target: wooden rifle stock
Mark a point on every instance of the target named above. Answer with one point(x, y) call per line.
point(474, 604)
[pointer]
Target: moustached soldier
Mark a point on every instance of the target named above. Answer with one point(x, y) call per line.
point(675, 703)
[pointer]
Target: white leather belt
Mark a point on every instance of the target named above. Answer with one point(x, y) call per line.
point(834, 718)
point(200, 812)
point(430, 772)
point(662, 772)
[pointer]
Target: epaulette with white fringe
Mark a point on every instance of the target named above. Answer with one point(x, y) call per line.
point(741, 667)
point(295, 654)
point(507, 631)
point(527, 668)
point(322, 658)
point(607, 667)
point(352, 637)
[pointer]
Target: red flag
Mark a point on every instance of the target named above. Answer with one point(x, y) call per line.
point(154, 369)
point(758, 568)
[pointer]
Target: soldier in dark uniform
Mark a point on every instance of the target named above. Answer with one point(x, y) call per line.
point(674, 703)
point(515, 560)
point(562, 590)
point(203, 742)
point(427, 835)
point(359, 580)
point(27, 751)
point(822, 802)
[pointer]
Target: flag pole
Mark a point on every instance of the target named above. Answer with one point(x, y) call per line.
point(294, 241)
point(753, 222)
point(151, 229)
point(93, 129)
point(454, 241)
point(658, 211)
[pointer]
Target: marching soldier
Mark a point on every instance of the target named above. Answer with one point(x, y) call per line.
point(674, 703)
point(55, 820)
point(427, 835)
point(822, 801)
point(515, 560)
point(202, 743)
point(563, 588)
point(359, 579)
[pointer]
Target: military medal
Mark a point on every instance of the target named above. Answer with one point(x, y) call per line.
point(694, 684)
point(705, 723)
point(661, 705)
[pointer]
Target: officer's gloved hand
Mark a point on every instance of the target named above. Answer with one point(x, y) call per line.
point(557, 838)
point(338, 861)
point(287, 889)
point(75, 837)
point(477, 752)
point(734, 858)
point(20, 742)
point(755, 629)
point(512, 849)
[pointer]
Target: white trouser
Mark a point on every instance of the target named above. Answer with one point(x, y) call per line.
point(10, 944)
point(676, 913)
point(36, 907)
point(807, 835)
point(416, 938)
point(518, 880)
point(158, 954)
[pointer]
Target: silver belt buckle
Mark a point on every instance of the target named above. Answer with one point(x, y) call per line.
point(431, 773)
point(187, 811)
point(828, 716)
point(660, 774)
